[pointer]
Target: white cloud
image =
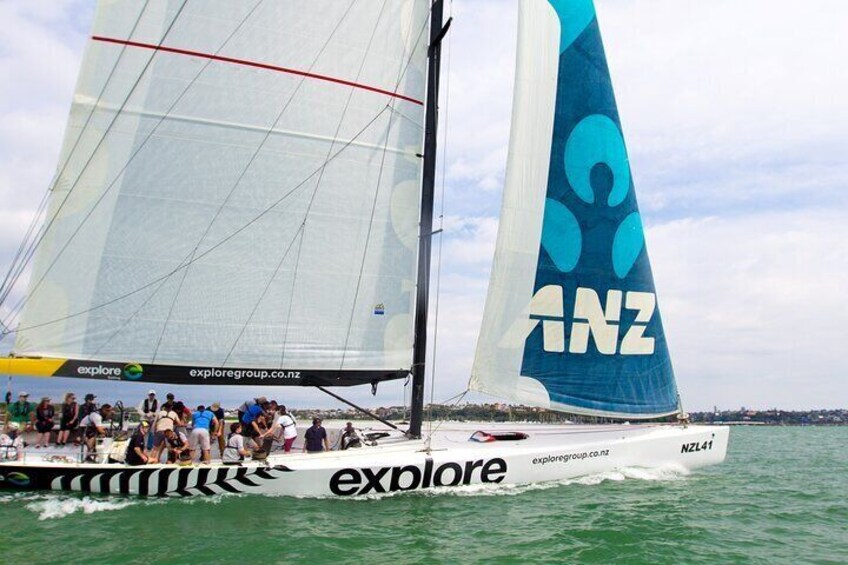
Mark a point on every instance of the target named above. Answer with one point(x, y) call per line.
point(753, 307)
point(735, 123)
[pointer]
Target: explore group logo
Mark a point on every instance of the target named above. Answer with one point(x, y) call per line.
point(133, 372)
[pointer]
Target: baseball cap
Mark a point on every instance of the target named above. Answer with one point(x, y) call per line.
point(90, 396)
point(151, 391)
point(14, 426)
point(24, 394)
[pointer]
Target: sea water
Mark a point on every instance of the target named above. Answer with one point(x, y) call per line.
point(781, 497)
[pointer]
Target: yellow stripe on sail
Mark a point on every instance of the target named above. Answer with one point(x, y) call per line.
point(44, 367)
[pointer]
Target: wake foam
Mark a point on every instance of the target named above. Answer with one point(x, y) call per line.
point(52, 507)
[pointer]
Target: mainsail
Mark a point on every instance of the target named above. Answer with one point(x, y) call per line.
point(237, 198)
point(571, 320)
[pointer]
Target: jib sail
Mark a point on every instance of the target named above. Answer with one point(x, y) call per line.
point(571, 320)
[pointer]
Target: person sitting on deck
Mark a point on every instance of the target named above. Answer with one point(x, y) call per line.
point(234, 452)
point(20, 412)
point(203, 422)
point(42, 418)
point(177, 446)
point(92, 426)
point(11, 443)
point(350, 438)
point(136, 452)
point(69, 421)
point(316, 438)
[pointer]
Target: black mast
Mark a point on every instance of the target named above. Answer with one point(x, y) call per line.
point(425, 227)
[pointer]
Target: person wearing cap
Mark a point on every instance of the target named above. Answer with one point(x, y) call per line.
point(136, 453)
point(88, 406)
point(147, 409)
point(316, 438)
point(11, 443)
point(169, 402)
point(20, 412)
point(42, 417)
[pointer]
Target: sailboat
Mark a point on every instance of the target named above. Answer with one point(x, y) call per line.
point(245, 197)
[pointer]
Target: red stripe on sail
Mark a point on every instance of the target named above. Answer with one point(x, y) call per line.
point(256, 65)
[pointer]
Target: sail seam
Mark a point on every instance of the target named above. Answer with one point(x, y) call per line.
point(258, 65)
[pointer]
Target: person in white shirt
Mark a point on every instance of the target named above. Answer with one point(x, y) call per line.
point(288, 425)
point(11, 443)
point(92, 426)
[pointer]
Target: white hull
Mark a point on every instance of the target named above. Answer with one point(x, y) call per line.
point(550, 453)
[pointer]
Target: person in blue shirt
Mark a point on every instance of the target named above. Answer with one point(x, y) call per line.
point(253, 420)
point(203, 421)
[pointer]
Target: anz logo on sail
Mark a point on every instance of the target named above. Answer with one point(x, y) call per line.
point(591, 318)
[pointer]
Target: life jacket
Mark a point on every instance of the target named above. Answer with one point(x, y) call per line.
point(68, 411)
point(44, 414)
point(147, 408)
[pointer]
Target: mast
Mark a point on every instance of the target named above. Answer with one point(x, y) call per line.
point(425, 229)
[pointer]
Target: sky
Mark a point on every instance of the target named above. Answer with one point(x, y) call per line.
point(735, 121)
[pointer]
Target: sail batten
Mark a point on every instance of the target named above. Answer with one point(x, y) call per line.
point(238, 191)
point(571, 320)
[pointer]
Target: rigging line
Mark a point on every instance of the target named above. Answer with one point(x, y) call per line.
point(214, 247)
point(365, 251)
point(459, 398)
point(15, 269)
point(321, 177)
point(401, 73)
point(43, 233)
point(264, 292)
point(189, 258)
point(235, 185)
point(441, 231)
point(43, 205)
point(132, 316)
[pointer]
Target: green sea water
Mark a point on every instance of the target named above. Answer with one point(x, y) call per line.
point(781, 497)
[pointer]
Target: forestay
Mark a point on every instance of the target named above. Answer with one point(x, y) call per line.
point(238, 187)
point(571, 320)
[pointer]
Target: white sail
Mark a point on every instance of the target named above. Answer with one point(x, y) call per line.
point(239, 187)
point(506, 324)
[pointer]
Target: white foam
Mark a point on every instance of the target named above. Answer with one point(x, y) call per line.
point(59, 506)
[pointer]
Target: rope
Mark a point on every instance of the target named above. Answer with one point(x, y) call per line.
point(246, 168)
point(26, 249)
point(17, 308)
point(441, 237)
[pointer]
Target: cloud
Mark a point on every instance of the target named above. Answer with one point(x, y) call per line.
point(734, 115)
point(752, 307)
